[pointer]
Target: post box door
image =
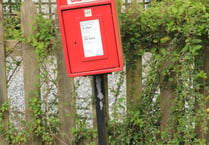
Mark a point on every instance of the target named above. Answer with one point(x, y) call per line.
point(90, 38)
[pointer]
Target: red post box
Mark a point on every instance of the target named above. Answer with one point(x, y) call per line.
point(90, 36)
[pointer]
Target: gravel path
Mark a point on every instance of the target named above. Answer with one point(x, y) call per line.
point(84, 91)
point(83, 85)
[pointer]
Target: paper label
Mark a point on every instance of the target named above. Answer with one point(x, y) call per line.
point(78, 1)
point(87, 13)
point(91, 37)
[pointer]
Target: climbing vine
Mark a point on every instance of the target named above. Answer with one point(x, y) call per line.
point(46, 120)
point(176, 34)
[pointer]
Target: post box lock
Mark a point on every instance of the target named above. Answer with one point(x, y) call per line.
point(90, 36)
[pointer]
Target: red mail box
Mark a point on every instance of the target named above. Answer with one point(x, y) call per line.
point(90, 36)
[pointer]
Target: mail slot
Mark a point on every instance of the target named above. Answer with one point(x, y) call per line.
point(90, 36)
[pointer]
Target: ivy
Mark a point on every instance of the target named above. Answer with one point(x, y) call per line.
point(43, 38)
point(175, 32)
point(45, 123)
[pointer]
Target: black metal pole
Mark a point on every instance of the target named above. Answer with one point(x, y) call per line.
point(99, 90)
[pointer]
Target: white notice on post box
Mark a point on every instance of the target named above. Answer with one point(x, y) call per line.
point(91, 37)
point(70, 2)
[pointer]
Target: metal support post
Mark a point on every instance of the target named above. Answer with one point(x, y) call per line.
point(99, 89)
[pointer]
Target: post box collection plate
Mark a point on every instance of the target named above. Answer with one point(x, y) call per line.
point(90, 36)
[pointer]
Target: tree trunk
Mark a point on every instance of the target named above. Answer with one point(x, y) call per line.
point(167, 96)
point(198, 129)
point(67, 109)
point(3, 83)
point(30, 65)
point(134, 80)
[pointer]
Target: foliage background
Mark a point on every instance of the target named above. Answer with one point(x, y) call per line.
point(175, 32)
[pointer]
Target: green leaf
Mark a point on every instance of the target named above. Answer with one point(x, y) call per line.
point(163, 50)
point(202, 75)
point(165, 39)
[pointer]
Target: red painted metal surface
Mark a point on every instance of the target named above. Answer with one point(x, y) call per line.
point(90, 37)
